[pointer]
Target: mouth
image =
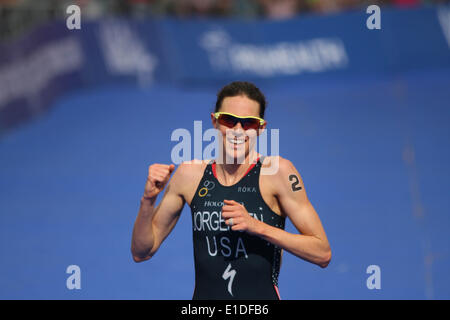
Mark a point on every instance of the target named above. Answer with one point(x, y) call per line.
point(236, 141)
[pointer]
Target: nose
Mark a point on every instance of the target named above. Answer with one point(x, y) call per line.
point(237, 130)
point(238, 127)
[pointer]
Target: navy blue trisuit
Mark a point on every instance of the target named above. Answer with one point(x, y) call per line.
point(232, 264)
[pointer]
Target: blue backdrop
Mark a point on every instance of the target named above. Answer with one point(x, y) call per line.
point(368, 133)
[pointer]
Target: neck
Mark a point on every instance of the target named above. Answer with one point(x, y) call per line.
point(232, 172)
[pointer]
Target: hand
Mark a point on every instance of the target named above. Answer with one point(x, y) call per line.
point(158, 176)
point(242, 221)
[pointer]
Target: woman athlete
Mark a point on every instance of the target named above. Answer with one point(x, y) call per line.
point(238, 212)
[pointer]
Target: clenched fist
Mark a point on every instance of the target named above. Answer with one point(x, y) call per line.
point(158, 176)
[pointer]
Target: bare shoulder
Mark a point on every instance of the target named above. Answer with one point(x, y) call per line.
point(277, 167)
point(188, 171)
point(187, 176)
point(281, 173)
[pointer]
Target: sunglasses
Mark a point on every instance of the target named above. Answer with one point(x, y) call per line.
point(230, 120)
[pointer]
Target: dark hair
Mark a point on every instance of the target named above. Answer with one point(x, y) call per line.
point(238, 88)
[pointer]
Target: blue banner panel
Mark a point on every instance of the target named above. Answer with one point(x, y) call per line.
point(52, 60)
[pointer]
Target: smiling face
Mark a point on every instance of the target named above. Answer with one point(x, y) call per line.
point(237, 142)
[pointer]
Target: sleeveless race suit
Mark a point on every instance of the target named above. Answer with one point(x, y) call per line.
point(231, 264)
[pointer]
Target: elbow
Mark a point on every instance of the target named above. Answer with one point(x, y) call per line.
point(325, 259)
point(138, 259)
point(140, 256)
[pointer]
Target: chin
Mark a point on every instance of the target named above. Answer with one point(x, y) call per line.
point(236, 156)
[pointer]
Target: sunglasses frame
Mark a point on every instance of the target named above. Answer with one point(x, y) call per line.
point(218, 114)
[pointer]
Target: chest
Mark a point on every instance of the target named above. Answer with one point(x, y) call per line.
point(253, 191)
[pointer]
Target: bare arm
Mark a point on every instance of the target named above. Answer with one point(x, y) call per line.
point(152, 224)
point(312, 243)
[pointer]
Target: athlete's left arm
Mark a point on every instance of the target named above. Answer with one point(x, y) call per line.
point(312, 243)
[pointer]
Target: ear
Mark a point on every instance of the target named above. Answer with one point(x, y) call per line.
point(213, 120)
point(262, 128)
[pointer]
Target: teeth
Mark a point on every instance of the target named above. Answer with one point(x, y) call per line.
point(236, 141)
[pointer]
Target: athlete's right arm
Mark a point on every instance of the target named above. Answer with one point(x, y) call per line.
point(152, 224)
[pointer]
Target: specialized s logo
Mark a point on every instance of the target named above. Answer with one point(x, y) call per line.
point(229, 274)
point(207, 185)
